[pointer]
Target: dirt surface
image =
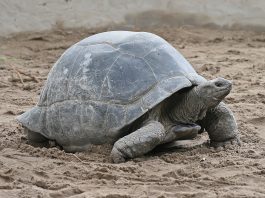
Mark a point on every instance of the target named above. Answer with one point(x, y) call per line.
point(27, 171)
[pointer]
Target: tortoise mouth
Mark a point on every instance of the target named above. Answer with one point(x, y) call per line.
point(225, 90)
point(219, 95)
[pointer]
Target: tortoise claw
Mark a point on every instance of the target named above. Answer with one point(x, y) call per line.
point(226, 144)
point(116, 156)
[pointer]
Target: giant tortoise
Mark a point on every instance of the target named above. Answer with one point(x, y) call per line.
point(130, 89)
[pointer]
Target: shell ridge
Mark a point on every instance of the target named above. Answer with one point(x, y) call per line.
point(72, 65)
point(99, 43)
point(74, 77)
point(60, 121)
point(157, 47)
point(105, 78)
point(105, 117)
point(116, 103)
point(150, 68)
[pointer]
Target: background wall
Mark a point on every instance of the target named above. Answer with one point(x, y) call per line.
point(37, 15)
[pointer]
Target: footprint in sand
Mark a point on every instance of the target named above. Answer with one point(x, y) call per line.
point(260, 124)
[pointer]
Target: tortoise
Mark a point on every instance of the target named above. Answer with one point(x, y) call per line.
point(130, 89)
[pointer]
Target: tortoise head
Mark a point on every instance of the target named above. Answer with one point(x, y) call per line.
point(214, 91)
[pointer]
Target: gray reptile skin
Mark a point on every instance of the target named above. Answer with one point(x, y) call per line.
point(106, 85)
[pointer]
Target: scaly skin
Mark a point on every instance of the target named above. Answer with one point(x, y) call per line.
point(221, 126)
point(182, 132)
point(147, 138)
point(139, 142)
point(35, 137)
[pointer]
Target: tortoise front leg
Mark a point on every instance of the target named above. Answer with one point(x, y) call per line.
point(139, 142)
point(221, 126)
point(182, 132)
point(148, 137)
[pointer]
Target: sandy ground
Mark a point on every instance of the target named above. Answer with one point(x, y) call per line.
point(27, 171)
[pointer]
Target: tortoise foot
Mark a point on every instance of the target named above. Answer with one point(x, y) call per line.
point(117, 156)
point(226, 144)
point(138, 142)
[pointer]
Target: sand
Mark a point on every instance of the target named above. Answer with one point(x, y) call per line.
point(28, 171)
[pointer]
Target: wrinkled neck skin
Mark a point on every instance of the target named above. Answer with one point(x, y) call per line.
point(185, 107)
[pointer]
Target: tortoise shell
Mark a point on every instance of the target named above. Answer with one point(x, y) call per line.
point(104, 83)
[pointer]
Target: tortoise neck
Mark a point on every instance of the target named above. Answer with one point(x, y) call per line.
point(186, 107)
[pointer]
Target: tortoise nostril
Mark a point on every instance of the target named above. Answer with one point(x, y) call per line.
point(219, 84)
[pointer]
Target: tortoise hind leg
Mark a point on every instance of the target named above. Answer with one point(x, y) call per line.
point(221, 126)
point(35, 137)
point(38, 140)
